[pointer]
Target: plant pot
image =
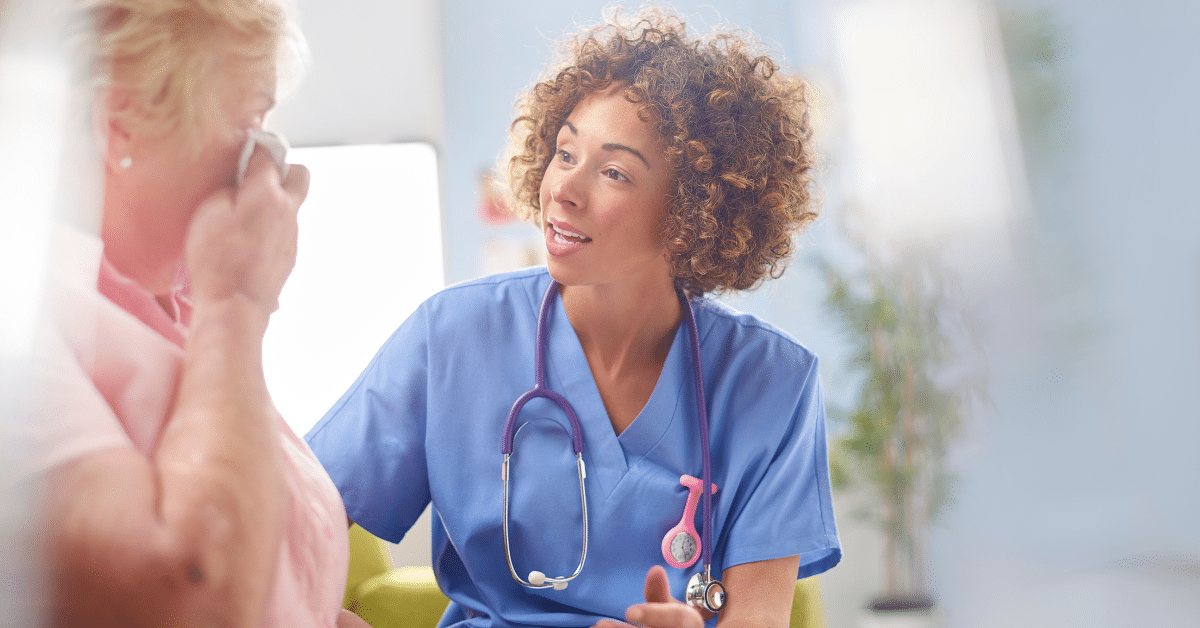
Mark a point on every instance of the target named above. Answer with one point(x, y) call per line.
point(900, 612)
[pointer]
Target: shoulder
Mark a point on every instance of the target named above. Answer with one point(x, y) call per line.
point(483, 310)
point(727, 331)
point(503, 291)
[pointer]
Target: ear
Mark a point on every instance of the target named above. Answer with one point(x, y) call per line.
point(111, 122)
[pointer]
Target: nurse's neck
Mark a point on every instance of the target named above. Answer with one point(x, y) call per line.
point(626, 334)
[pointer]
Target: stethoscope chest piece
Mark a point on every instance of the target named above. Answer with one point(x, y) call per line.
point(706, 593)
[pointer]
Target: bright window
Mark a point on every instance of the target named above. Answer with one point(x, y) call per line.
point(370, 252)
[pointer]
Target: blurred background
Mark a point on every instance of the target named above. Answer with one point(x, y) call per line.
point(1025, 170)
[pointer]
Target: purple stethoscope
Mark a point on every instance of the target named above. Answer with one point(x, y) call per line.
point(681, 543)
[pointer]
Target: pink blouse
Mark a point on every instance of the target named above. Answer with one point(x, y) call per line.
point(111, 370)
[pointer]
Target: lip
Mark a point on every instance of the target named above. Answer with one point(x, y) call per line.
point(561, 247)
point(567, 228)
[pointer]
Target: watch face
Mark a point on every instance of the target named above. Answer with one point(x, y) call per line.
point(683, 547)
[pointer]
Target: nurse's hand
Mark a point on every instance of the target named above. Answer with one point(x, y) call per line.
point(660, 610)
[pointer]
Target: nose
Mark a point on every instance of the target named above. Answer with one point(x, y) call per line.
point(566, 189)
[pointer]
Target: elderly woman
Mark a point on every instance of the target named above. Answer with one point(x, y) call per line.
point(175, 494)
point(599, 439)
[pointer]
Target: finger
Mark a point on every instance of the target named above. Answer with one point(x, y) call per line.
point(664, 614)
point(261, 164)
point(658, 588)
point(610, 623)
point(297, 182)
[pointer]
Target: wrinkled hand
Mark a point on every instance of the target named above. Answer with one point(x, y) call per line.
point(660, 610)
point(242, 241)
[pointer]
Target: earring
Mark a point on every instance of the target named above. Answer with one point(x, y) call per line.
point(125, 162)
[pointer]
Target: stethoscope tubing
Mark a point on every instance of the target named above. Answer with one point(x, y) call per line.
point(540, 390)
point(705, 462)
point(562, 580)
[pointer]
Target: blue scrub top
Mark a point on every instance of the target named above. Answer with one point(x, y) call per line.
point(424, 420)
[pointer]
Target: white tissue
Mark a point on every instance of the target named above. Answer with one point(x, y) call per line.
point(275, 145)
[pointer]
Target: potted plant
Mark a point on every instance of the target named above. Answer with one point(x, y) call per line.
point(907, 358)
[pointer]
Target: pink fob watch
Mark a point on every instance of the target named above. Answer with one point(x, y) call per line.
point(681, 545)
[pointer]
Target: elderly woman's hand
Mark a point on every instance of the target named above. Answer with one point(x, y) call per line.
point(242, 241)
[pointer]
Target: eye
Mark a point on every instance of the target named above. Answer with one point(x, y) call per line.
point(565, 157)
point(614, 174)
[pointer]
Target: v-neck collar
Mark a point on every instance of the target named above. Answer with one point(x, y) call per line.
point(607, 455)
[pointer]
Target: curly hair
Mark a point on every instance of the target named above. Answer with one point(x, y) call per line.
point(737, 136)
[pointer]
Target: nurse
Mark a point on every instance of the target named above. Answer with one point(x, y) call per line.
point(656, 165)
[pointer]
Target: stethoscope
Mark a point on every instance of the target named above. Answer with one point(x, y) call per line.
point(702, 590)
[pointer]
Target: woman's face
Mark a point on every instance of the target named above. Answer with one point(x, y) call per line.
point(604, 196)
point(167, 180)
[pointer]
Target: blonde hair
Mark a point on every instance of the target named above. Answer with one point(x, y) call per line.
point(170, 54)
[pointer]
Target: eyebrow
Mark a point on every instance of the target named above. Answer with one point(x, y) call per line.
point(611, 146)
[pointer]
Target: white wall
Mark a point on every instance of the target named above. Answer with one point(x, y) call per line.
point(369, 253)
point(1078, 503)
point(375, 77)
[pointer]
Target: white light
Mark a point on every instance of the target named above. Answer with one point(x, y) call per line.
point(33, 105)
point(370, 252)
point(927, 139)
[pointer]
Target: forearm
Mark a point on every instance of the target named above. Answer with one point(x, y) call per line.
point(759, 621)
point(191, 535)
point(760, 593)
point(222, 488)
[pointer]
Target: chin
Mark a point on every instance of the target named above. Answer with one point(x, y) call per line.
point(562, 273)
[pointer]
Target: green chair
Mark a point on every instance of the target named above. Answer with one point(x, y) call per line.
point(808, 607)
point(387, 597)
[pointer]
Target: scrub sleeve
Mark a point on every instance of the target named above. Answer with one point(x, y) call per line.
point(767, 391)
point(372, 442)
